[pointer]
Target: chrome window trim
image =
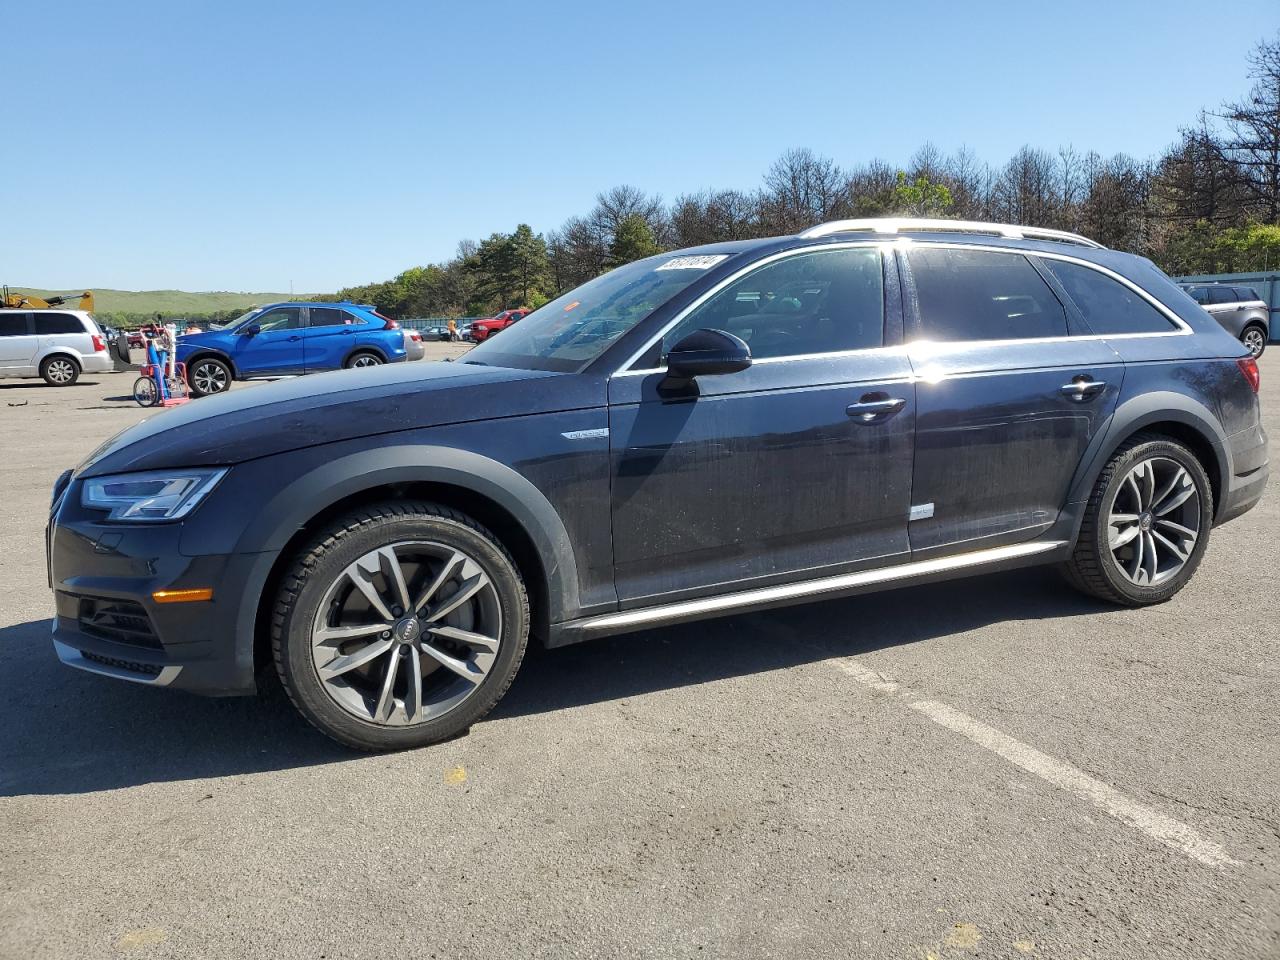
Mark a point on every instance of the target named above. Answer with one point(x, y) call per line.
point(1182, 329)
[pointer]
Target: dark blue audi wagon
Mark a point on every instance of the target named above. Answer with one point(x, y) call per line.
point(867, 404)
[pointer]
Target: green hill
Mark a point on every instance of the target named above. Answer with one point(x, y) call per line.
point(170, 303)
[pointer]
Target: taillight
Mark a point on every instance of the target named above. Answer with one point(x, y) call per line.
point(98, 345)
point(1249, 367)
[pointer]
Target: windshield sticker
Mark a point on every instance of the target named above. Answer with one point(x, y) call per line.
point(693, 263)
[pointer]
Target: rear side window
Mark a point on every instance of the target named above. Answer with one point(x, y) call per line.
point(13, 324)
point(1222, 295)
point(332, 317)
point(982, 295)
point(47, 323)
point(1199, 294)
point(1107, 305)
point(1246, 294)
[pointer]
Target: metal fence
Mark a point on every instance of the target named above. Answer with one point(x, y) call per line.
point(425, 323)
point(1266, 284)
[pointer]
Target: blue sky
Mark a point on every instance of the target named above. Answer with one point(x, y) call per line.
point(249, 146)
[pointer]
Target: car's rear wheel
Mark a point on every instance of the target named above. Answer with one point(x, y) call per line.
point(59, 371)
point(364, 359)
point(1146, 524)
point(1254, 339)
point(208, 375)
point(401, 625)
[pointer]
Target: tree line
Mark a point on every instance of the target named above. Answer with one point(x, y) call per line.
point(1210, 203)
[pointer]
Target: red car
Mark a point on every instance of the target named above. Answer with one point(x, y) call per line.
point(482, 330)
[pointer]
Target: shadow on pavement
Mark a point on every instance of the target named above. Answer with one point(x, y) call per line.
point(69, 732)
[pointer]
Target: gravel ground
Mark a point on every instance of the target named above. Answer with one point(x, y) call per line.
point(994, 767)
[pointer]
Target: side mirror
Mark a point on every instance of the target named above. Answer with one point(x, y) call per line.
point(252, 330)
point(707, 352)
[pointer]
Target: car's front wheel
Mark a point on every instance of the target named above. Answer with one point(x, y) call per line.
point(207, 376)
point(1146, 525)
point(401, 625)
point(1254, 339)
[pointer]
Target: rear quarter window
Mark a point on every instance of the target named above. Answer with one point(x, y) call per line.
point(1106, 304)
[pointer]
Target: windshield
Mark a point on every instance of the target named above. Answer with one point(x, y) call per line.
point(571, 331)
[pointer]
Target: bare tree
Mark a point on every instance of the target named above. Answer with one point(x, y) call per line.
point(801, 189)
point(1254, 130)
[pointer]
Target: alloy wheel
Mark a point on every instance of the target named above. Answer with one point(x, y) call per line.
point(1154, 521)
point(61, 371)
point(366, 360)
point(1254, 341)
point(209, 378)
point(406, 633)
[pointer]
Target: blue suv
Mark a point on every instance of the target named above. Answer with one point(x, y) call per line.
point(288, 339)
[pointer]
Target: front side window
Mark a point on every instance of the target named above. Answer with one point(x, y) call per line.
point(280, 318)
point(13, 324)
point(826, 301)
point(1199, 294)
point(983, 295)
point(1107, 305)
point(47, 323)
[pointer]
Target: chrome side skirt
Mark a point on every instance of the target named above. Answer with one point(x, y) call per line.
point(808, 589)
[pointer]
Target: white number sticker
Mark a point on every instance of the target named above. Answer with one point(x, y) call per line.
point(704, 262)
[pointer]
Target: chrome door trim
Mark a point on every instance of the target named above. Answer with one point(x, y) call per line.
point(727, 602)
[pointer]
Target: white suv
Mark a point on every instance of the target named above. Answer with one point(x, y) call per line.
point(55, 344)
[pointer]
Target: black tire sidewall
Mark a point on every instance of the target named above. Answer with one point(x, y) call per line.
point(294, 660)
point(1116, 580)
point(191, 377)
point(47, 362)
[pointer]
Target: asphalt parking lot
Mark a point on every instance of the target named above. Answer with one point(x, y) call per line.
point(993, 767)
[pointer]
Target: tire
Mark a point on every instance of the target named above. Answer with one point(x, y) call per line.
point(145, 392)
point(1146, 559)
point(478, 643)
point(363, 359)
point(207, 376)
point(59, 370)
point(1254, 338)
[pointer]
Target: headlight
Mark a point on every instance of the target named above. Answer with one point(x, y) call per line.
point(159, 495)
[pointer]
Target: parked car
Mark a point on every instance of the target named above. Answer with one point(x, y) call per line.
point(482, 330)
point(414, 348)
point(57, 345)
point(437, 331)
point(1240, 310)
point(288, 339)
point(868, 404)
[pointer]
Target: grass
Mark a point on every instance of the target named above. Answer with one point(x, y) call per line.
point(171, 303)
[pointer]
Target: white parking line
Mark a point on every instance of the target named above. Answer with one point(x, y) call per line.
point(1172, 833)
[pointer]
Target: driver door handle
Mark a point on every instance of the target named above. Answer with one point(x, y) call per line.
point(874, 407)
point(294, 337)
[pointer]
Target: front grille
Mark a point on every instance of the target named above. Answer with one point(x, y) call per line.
point(147, 669)
point(121, 621)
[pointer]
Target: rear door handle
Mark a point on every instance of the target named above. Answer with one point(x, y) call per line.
point(1083, 388)
point(868, 410)
point(294, 339)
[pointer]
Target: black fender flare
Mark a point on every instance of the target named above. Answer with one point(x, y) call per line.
point(203, 352)
point(1162, 406)
point(360, 348)
point(297, 502)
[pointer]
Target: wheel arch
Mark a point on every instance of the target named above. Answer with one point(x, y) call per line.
point(1173, 415)
point(207, 352)
point(365, 348)
point(60, 351)
point(490, 492)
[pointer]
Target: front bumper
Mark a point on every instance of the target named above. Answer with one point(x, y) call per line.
point(106, 621)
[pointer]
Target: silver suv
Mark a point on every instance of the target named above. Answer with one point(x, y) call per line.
point(1239, 309)
point(55, 344)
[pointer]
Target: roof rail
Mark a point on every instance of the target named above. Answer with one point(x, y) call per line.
point(926, 225)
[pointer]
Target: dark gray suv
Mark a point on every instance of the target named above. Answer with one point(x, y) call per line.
point(867, 404)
